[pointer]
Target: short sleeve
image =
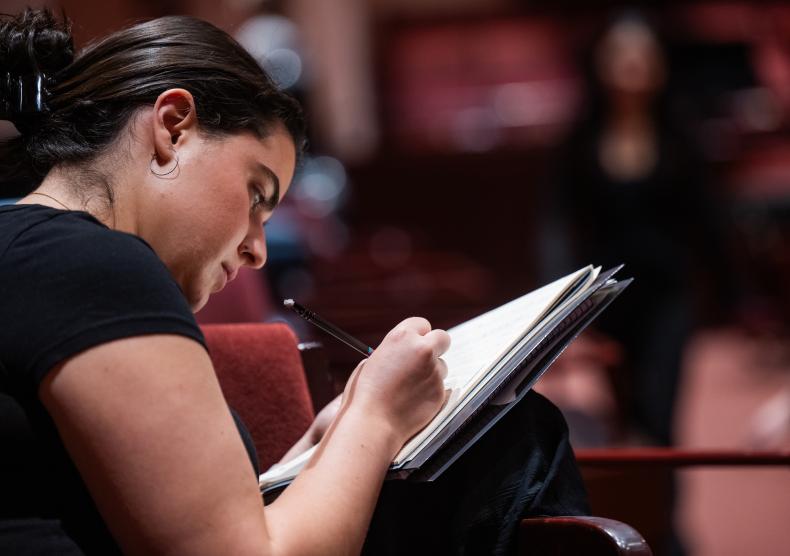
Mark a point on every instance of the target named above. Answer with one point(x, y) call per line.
point(69, 284)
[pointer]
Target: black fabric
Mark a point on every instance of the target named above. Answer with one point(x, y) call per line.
point(67, 283)
point(665, 226)
point(36, 537)
point(523, 467)
point(249, 443)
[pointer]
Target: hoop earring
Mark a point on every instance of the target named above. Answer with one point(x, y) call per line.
point(165, 175)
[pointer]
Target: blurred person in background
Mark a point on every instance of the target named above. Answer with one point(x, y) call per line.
point(631, 189)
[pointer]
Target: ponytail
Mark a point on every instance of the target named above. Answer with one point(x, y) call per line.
point(34, 49)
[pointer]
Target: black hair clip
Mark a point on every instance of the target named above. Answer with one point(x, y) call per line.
point(22, 94)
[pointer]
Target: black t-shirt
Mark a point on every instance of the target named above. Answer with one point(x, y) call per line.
point(67, 283)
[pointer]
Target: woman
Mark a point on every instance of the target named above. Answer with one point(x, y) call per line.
point(631, 189)
point(157, 155)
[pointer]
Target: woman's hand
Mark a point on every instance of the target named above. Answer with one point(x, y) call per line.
point(389, 397)
point(401, 383)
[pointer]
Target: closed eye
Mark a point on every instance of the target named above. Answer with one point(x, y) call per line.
point(260, 201)
point(271, 179)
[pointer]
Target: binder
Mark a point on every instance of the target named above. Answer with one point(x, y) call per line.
point(561, 311)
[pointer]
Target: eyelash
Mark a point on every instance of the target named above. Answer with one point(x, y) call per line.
point(258, 199)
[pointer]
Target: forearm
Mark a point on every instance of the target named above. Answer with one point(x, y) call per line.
point(307, 441)
point(327, 509)
point(318, 427)
point(341, 482)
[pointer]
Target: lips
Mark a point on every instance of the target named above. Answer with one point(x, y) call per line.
point(230, 274)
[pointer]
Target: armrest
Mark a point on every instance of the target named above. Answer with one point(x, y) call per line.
point(591, 536)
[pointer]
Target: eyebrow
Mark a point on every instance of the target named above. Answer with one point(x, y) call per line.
point(272, 201)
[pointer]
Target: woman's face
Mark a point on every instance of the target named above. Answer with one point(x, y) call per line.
point(210, 216)
point(629, 59)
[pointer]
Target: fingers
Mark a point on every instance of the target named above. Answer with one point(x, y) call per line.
point(355, 373)
point(441, 368)
point(344, 396)
point(418, 324)
point(440, 341)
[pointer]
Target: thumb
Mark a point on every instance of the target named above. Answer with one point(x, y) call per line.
point(352, 380)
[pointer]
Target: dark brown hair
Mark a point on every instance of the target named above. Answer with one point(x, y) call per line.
point(90, 97)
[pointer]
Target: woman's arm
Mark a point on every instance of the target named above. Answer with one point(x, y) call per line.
point(147, 426)
point(316, 432)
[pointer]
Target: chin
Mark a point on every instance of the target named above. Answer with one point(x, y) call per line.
point(196, 303)
point(199, 305)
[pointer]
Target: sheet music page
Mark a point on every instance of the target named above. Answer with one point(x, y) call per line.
point(478, 344)
point(288, 469)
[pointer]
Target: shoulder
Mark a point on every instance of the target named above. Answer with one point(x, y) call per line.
point(56, 233)
point(71, 283)
point(57, 248)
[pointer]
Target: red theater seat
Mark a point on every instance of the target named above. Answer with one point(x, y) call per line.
point(261, 374)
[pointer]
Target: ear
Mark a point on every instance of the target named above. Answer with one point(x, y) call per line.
point(175, 119)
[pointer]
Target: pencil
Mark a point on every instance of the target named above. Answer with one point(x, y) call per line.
point(328, 327)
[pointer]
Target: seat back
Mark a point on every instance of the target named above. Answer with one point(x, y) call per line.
point(262, 377)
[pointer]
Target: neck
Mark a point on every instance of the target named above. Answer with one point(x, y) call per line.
point(96, 196)
point(630, 110)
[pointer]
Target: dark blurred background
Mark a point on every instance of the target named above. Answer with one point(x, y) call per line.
point(463, 152)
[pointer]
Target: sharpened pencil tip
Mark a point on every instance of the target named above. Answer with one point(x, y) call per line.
point(288, 302)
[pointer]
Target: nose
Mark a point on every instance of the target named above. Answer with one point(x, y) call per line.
point(253, 248)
